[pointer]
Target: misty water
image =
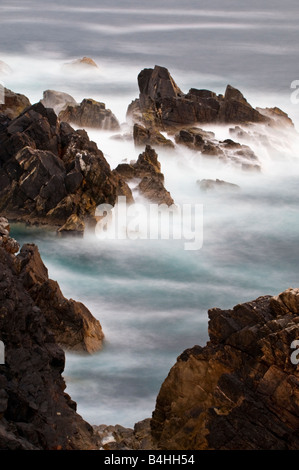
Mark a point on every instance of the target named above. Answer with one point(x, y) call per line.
point(152, 296)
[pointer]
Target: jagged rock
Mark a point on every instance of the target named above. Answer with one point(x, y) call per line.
point(57, 100)
point(71, 322)
point(162, 104)
point(241, 390)
point(148, 170)
point(216, 185)
point(152, 187)
point(206, 143)
point(90, 113)
point(14, 104)
point(35, 412)
point(194, 138)
point(143, 136)
point(51, 174)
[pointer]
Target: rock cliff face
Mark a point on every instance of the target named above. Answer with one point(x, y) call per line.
point(240, 391)
point(51, 174)
point(35, 412)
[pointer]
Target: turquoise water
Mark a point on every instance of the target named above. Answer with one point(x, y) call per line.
point(152, 297)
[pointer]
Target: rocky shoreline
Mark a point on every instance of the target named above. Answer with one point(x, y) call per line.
point(241, 390)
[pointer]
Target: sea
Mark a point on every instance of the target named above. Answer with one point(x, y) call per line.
point(152, 296)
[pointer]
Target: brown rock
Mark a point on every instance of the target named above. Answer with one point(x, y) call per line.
point(35, 412)
point(71, 322)
point(85, 63)
point(90, 113)
point(51, 174)
point(148, 169)
point(241, 390)
point(162, 105)
point(14, 104)
point(143, 136)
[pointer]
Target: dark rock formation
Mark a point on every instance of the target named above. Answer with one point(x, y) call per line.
point(71, 322)
point(51, 174)
point(143, 136)
point(148, 170)
point(35, 412)
point(90, 113)
point(217, 185)
point(57, 100)
point(206, 143)
point(240, 391)
point(162, 105)
point(14, 104)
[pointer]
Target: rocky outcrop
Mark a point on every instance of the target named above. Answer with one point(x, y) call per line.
point(216, 185)
point(162, 104)
point(228, 150)
point(57, 100)
point(71, 322)
point(120, 438)
point(277, 117)
point(90, 113)
point(143, 136)
point(35, 412)
point(147, 170)
point(51, 174)
point(14, 104)
point(240, 391)
point(85, 63)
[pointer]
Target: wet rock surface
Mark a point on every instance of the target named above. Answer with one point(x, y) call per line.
point(147, 170)
point(35, 412)
point(51, 174)
point(163, 105)
point(241, 390)
point(14, 104)
point(90, 113)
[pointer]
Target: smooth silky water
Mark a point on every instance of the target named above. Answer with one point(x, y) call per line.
point(152, 296)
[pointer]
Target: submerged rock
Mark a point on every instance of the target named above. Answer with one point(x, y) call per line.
point(216, 185)
point(51, 174)
point(241, 390)
point(90, 113)
point(35, 412)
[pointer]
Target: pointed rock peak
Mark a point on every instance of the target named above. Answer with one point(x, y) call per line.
point(232, 93)
point(158, 83)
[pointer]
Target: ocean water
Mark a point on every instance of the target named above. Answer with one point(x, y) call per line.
point(152, 296)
